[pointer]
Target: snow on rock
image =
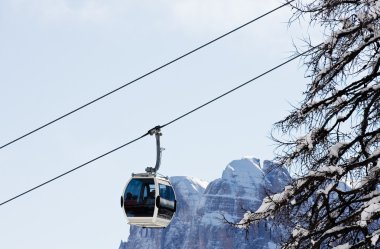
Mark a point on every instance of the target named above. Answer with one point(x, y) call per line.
point(240, 188)
point(245, 171)
point(276, 177)
point(272, 245)
point(201, 208)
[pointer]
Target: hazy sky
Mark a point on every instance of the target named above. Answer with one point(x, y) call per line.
point(58, 54)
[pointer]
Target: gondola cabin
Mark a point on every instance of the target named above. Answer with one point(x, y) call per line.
point(148, 201)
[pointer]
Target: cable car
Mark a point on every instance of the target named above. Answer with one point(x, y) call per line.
point(149, 200)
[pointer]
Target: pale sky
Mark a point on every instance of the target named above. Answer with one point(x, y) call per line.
point(56, 55)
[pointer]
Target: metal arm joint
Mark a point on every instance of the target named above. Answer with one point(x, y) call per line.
point(157, 132)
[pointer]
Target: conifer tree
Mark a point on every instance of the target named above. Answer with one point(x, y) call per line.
point(330, 141)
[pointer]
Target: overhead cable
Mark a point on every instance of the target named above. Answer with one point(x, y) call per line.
point(162, 126)
point(141, 77)
point(74, 169)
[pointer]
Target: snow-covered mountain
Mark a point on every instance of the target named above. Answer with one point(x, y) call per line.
point(201, 207)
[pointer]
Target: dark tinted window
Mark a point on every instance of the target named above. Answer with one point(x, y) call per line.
point(139, 198)
point(167, 202)
point(166, 192)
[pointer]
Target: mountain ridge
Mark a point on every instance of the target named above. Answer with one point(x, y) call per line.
point(201, 208)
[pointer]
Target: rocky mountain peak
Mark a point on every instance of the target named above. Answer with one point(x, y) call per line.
point(202, 207)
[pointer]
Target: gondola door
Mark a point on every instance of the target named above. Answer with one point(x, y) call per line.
point(139, 198)
point(165, 201)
